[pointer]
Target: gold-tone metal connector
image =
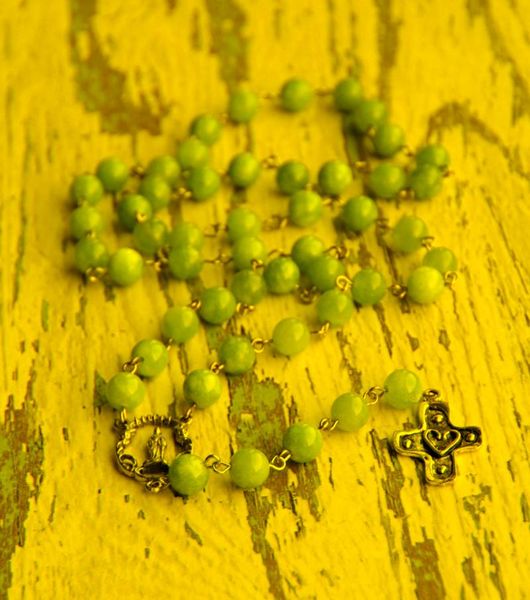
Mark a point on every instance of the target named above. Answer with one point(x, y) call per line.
point(339, 251)
point(213, 462)
point(323, 330)
point(327, 424)
point(138, 170)
point(279, 461)
point(270, 162)
point(398, 290)
point(259, 344)
point(431, 395)
point(195, 304)
point(243, 309)
point(373, 395)
point(449, 278)
point(131, 366)
point(256, 263)
point(306, 295)
point(220, 259)
point(94, 274)
point(343, 283)
point(427, 241)
point(216, 367)
point(363, 166)
point(275, 222)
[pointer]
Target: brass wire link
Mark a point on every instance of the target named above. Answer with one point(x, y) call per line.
point(327, 424)
point(398, 290)
point(131, 366)
point(373, 395)
point(323, 330)
point(279, 461)
point(427, 241)
point(259, 344)
point(213, 462)
point(449, 278)
point(344, 283)
point(216, 367)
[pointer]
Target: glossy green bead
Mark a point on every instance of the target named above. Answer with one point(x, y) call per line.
point(185, 262)
point(126, 267)
point(347, 94)
point(368, 287)
point(134, 209)
point(203, 182)
point(188, 475)
point(334, 177)
point(113, 173)
point(206, 128)
point(84, 220)
point(165, 166)
point(246, 250)
point(192, 153)
point(403, 389)
point(387, 180)
point(86, 188)
point(154, 357)
point(425, 181)
point(334, 307)
point(388, 140)
point(323, 272)
point(242, 106)
point(408, 233)
point(90, 253)
point(150, 236)
point(125, 390)
point(359, 213)
point(290, 336)
point(440, 258)
point(281, 275)
point(305, 249)
point(243, 170)
point(296, 95)
point(249, 468)
point(368, 114)
point(156, 190)
point(292, 176)
point(433, 154)
point(350, 410)
point(248, 287)
point(185, 234)
point(305, 208)
point(179, 324)
point(217, 305)
point(242, 222)
point(237, 355)
point(304, 442)
point(424, 285)
point(202, 387)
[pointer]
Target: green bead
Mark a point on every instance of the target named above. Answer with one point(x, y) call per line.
point(156, 190)
point(243, 170)
point(305, 208)
point(387, 180)
point(304, 442)
point(125, 390)
point(90, 253)
point(334, 177)
point(305, 249)
point(388, 140)
point(425, 181)
point(134, 209)
point(179, 324)
point(237, 355)
point(433, 154)
point(403, 389)
point(188, 475)
point(217, 305)
point(368, 114)
point(334, 307)
point(126, 267)
point(86, 188)
point(408, 234)
point(290, 336)
point(347, 94)
point(323, 271)
point(249, 468)
point(242, 106)
point(192, 153)
point(165, 166)
point(442, 259)
point(113, 174)
point(242, 222)
point(150, 236)
point(424, 285)
point(291, 176)
point(368, 287)
point(202, 387)
point(206, 128)
point(185, 262)
point(350, 410)
point(248, 287)
point(358, 213)
point(281, 275)
point(154, 357)
point(84, 220)
point(185, 234)
point(203, 182)
point(296, 95)
point(246, 250)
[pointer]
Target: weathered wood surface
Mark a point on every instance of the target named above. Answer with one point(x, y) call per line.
point(84, 79)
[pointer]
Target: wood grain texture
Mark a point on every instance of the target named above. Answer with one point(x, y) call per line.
point(82, 79)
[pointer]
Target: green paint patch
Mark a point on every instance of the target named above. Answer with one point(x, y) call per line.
point(45, 315)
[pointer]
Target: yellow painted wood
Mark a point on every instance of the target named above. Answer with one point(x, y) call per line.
point(83, 79)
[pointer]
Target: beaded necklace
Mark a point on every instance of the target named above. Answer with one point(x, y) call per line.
point(310, 272)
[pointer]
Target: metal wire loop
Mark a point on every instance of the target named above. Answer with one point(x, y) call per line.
point(259, 344)
point(373, 395)
point(323, 330)
point(244, 309)
point(449, 278)
point(327, 424)
point(339, 251)
point(94, 274)
point(279, 461)
point(131, 366)
point(216, 367)
point(427, 241)
point(195, 304)
point(213, 462)
point(431, 395)
point(275, 222)
point(343, 283)
point(306, 295)
point(398, 290)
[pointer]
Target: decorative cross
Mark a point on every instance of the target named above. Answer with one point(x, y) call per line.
point(436, 440)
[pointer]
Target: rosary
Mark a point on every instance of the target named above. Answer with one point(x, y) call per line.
point(311, 272)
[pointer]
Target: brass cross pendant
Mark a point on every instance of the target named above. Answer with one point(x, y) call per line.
point(436, 440)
